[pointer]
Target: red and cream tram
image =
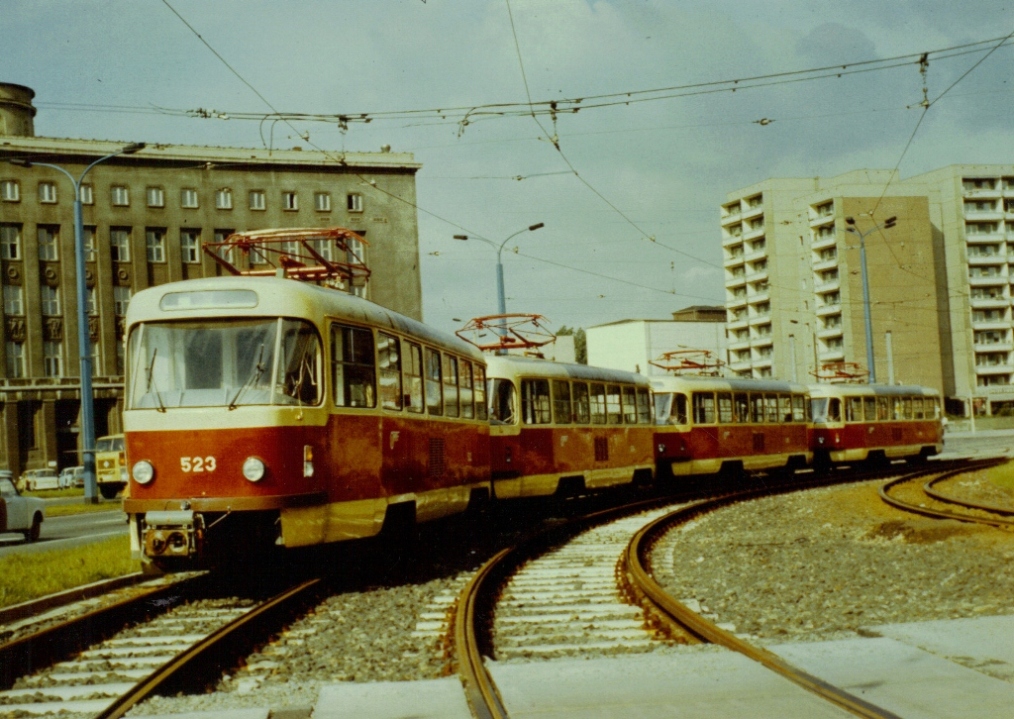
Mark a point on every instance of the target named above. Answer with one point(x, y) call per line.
point(561, 428)
point(265, 411)
point(858, 422)
point(708, 425)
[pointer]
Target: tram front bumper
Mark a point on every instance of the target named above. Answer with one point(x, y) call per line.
point(173, 534)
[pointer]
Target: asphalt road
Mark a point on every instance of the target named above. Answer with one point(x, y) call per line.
point(68, 531)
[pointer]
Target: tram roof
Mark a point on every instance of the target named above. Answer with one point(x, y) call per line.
point(672, 383)
point(217, 297)
point(871, 390)
point(512, 366)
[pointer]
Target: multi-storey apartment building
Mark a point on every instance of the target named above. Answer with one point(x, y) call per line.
point(940, 288)
point(147, 216)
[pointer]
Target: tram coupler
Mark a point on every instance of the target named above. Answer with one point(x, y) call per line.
point(173, 534)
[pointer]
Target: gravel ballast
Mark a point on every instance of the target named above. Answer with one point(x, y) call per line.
point(824, 563)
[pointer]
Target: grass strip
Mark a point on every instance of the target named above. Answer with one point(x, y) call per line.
point(1002, 475)
point(62, 510)
point(33, 575)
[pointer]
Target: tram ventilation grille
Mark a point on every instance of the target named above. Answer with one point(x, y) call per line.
point(437, 463)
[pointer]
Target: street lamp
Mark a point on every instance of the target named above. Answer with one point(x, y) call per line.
point(501, 298)
point(84, 340)
point(888, 224)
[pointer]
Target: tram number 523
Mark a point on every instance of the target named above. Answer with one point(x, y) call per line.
point(197, 464)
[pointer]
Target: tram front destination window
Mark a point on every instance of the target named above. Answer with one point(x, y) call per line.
point(224, 363)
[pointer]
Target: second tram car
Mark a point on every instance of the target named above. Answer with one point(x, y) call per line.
point(263, 411)
point(562, 428)
point(859, 422)
point(709, 425)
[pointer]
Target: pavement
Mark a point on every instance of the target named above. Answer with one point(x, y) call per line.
point(925, 670)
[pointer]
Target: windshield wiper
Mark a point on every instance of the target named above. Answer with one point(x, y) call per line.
point(255, 375)
point(151, 381)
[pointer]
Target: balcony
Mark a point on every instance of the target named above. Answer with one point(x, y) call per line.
point(763, 363)
point(994, 346)
point(989, 303)
point(764, 341)
point(759, 276)
point(994, 369)
point(983, 215)
point(832, 355)
point(994, 259)
point(988, 280)
point(984, 193)
point(821, 220)
point(979, 238)
point(823, 287)
point(825, 310)
point(732, 281)
point(996, 324)
point(732, 240)
point(734, 303)
point(751, 212)
point(741, 366)
point(821, 265)
point(737, 324)
point(731, 218)
point(820, 243)
point(739, 344)
point(733, 261)
point(752, 233)
point(759, 298)
point(760, 319)
point(829, 332)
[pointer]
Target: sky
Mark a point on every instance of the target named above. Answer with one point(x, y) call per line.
point(629, 191)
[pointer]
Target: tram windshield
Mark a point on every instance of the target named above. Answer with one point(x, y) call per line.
point(503, 401)
point(224, 363)
point(826, 409)
point(670, 408)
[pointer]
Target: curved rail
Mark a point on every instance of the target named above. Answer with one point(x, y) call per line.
point(943, 513)
point(191, 668)
point(635, 566)
point(928, 489)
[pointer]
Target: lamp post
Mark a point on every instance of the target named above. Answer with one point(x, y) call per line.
point(888, 224)
point(501, 298)
point(84, 340)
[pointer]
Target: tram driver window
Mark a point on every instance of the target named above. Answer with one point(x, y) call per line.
point(389, 365)
point(300, 369)
point(353, 367)
point(413, 377)
point(502, 401)
point(679, 409)
point(535, 406)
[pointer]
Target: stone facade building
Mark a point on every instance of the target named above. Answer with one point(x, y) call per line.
point(147, 216)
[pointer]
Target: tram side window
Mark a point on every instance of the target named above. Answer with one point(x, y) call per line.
point(434, 405)
point(741, 407)
point(724, 407)
point(680, 414)
point(413, 377)
point(784, 408)
point(907, 407)
point(643, 406)
point(629, 405)
point(771, 408)
point(917, 408)
point(883, 408)
point(561, 402)
point(535, 405)
point(353, 367)
point(467, 411)
point(756, 407)
point(503, 402)
point(614, 413)
point(598, 404)
point(854, 409)
point(389, 366)
point(479, 388)
point(798, 408)
point(704, 408)
point(582, 408)
point(451, 386)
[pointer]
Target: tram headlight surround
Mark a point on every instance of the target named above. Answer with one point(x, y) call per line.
point(254, 469)
point(143, 472)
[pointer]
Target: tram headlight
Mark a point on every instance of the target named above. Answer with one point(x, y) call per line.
point(254, 469)
point(143, 472)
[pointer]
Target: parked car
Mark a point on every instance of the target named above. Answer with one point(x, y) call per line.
point(35, 479)
point(20, 514)
point(72, 477)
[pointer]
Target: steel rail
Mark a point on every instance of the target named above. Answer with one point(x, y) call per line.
point(207, 657)
point(635, 566)
point(885, 495)
point(34, 607)
point(950, 499)
point(61, 641)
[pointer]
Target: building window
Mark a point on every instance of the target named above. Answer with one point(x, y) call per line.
point(354, 202)
point(15, 360)
point(10, 191)
point(10, 242)
point(154, 240)
point(14, 300)
point(190, 246)
point(257, 201)
point(49, 242)
point(50, 300)
point(87, 195)
point(52, 356)
point(47, 193)
point(121, 299)
point(156, 197)
point(223, 199)
point(322, 201)
point(356, 255)
point(93, 307)
point(119, 244)
point(120, 195)
point(188, 198)
point(89, 242)
point(290, 201)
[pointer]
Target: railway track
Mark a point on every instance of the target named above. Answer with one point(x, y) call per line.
point(582, 586)
point(931, 502)
point(178, 639)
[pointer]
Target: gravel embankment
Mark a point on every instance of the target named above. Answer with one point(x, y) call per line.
point(824, 563)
